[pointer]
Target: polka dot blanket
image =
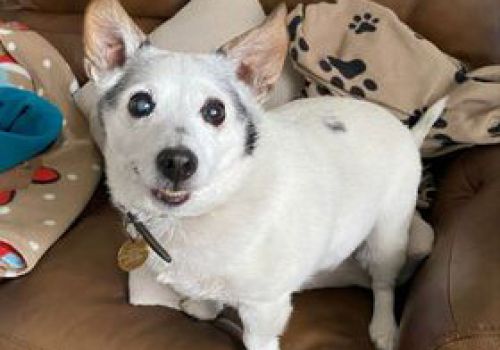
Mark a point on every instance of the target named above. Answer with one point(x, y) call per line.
point(41, 197)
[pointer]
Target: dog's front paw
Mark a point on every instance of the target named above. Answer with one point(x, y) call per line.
point(261, 343)
point(384, 334)
point(204, 310)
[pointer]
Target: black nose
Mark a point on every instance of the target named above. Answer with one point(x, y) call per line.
point(177, 164)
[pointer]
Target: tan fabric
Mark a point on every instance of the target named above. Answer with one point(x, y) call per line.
point(20, 176)
point(361, 49)
point(192, 29)
point(39, 214)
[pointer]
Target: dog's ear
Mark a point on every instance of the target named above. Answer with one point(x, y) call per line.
point(110, 37)
point(260, 53)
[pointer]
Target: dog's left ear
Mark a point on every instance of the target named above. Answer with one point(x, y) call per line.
point(260, 53)
point(110, 37)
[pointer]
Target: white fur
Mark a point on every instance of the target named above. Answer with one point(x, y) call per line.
point(265, 225)
point(261, 226)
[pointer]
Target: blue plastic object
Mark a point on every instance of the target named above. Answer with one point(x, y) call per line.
point(28, 125)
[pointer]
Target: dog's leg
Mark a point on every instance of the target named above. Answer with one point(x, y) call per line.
point(144, 290)
point(204, 310)
point(264, 322)
point(419, 246)
point(349, 273)
point(384, 254)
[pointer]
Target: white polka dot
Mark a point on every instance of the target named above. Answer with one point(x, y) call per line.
point(72, 177)
point(40, 92)
point(20, 87)
point(49, 196)
point(4, 31)
point(34, 245)
point(49, 223)
point(65, 122)
point(73, 87)
point(10, 274)
point(47, 63)
point(96, 167)
point(4, 210)
point(11, 46)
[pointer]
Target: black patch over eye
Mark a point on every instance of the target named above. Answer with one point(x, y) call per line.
point(213, 111)
point(141, 105)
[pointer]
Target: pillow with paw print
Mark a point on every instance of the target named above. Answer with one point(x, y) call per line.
point(361, 49)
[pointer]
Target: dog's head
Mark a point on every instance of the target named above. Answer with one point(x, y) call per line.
point(180, 129)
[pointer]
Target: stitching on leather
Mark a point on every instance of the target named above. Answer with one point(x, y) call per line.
point(20, 342)
point(451, 338)
point(466, 169)
point(448, 287)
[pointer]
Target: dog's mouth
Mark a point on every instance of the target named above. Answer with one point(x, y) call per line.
point(172, 198)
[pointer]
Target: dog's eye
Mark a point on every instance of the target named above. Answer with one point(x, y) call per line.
point(141, 105)
point(213, 111)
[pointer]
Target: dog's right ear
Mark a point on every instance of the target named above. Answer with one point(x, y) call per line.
point(110, 38)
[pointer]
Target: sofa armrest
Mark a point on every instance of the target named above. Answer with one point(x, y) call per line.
point(454, 301)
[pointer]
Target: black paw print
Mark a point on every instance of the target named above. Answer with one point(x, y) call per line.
point(440, 123)
point(294, 53)
point(355, 90)
point(303, 46)
point(293, 26)
point(323, 90)
point(445, 140)
point(364, 24)
point(495, 130)
point(461, 75)
point(415, 117)
point(348, 70)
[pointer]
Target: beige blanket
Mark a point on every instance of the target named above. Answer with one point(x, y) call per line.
point(41, 198)
point(361, 49)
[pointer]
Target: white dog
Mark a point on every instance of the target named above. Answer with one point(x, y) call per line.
point(251, 206)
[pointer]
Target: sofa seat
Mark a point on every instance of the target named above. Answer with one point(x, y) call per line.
point(76, 299)
point(454, 302)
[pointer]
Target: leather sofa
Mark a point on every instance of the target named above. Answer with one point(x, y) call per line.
point(76, 298)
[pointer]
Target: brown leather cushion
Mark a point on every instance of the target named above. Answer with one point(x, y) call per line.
point(76, 299)
point(139, 8)
point(455, 299)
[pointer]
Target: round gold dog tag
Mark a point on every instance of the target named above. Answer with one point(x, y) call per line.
point(132, 254)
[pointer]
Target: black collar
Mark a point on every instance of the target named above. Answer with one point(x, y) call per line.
point(148, 237)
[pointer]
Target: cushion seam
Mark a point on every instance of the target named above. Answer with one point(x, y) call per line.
point(448, 287)
point(451, 338)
